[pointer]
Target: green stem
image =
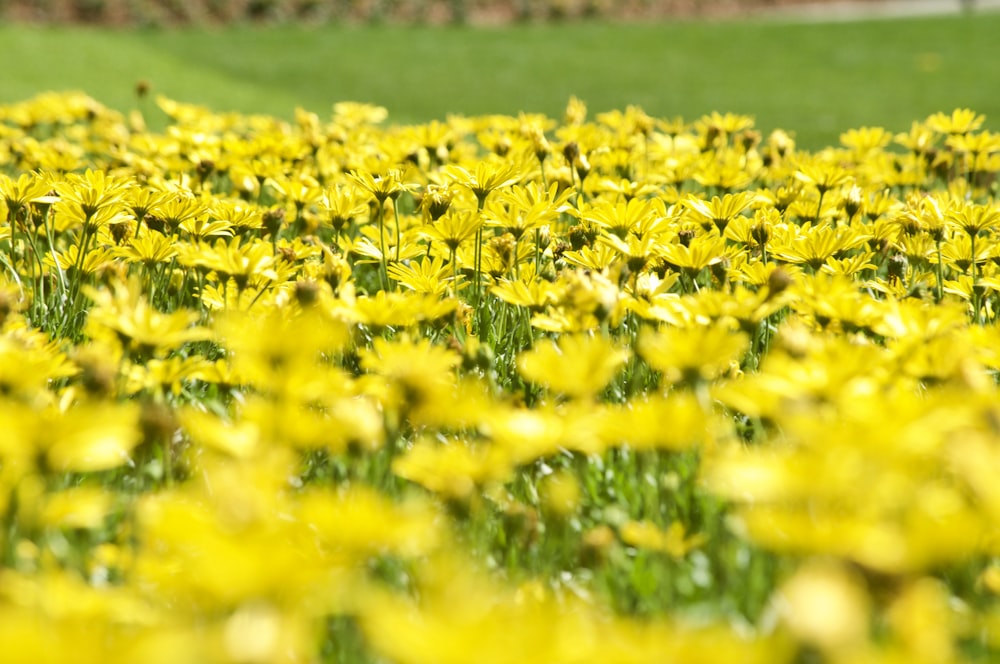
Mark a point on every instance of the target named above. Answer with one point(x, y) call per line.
point(260, 292)
point(538, 252)
point(50, 237)
point(38, 283)
point(939, 273)
point(478, 260)
point(481, 203)
point(399, 232)
point(975, 291)
point(82, 250)
point(381, 243)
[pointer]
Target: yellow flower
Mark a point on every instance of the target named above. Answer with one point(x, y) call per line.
point(177, 210)
point(637, 253)
point(865, 140)
point(673, 541)
point(206, 547)
point(980, 144)
point(623, 216)
point(816, 245)
point(238, 440)
point(381, 186)
point(21, 193)
point(923, 620)
point(576, 111)
point(453, 229)
point(248, 264)
point(486, 176)
point(723, 123)
point(517, 219)
point(626, 188)
point(560, 493)
point(77, 508)
point(400, 310)
point(919, 139)
point(692, 355)
point(418, 373)
point(961, 121)
point(298, 191)
point(533, 294)
point(718, 212)
point(974, 218)
point(91, 437)
point(29, 366)
point(341, 205)
point(703, 251)
point(352, 113)
point(81, 196)
point(825, 605)
point(524, 435)
point(149, 248)
point(463, 610)
point(129, 316)
point(453, 469)
point(86, 262)
point(638, 425)
point(430, 277)
point(261, 632)
point(239, 215)
point(577, 365)
point(435, 201)
point(822, 174)
point(144, 202)
point(802, 495)
point(162, 376)
point(282, 354)
point(358, 522)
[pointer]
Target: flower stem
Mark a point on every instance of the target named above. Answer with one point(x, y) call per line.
point(975, 291)
point(399, 232)
point(939, 273)
point(381, 245)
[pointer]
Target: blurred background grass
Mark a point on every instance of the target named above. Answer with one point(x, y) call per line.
point(815, 79)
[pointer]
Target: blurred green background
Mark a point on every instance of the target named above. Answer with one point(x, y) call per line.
point(815, 79)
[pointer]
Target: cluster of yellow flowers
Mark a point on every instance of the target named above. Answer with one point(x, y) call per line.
point(496, 389)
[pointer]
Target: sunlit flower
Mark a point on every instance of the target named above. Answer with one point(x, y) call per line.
point(577, 365)
point(718, 212)
point(453, 469)
point(960, 121)
point(827, 606)
point(673, 541)
point(381, 186)
point(487, 176)
point(141, 328)
point(81, 197)
point(692, 354)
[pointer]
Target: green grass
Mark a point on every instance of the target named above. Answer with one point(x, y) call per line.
point(816, 79)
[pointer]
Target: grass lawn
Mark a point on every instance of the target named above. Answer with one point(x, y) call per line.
point(815, 79)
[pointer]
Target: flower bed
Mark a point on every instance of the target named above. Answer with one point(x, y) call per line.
point(503, 388)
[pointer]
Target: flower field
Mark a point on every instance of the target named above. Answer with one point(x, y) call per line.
point(595, 389)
